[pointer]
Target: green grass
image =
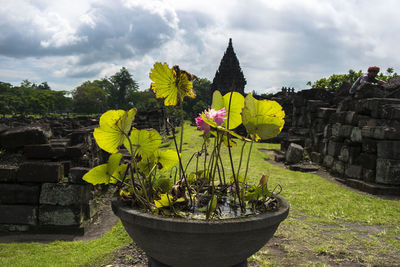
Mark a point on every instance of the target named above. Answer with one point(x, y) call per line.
point(328, 224)
point(60, 253)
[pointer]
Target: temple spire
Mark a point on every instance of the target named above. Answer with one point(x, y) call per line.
point(229, 76)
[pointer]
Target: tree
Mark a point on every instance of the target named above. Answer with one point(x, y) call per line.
point(90, 98)
point(229, 76)
point(120, 89)
point(193, 107)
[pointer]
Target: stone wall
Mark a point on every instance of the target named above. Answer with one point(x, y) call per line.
point(356, 139)
point(42, 162)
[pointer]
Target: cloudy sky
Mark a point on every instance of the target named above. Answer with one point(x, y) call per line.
point(278, 42)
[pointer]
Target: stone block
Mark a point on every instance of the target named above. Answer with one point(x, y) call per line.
point(328, 161)
point(328, 131)
point(381, 132)
point(351, 118)
point(338, 167)
point(367, 161)
point(316, 157)
point(345, 131)
point(61, 215)
point(318, 125)
point(325, 113)
point(369, 145)
point(334, 148)
point(353, 171)
point(387, 133)
point(19, 194)
point(355, 135)
point(40, 172)
point(388, 149)
point(8, 174)
point(59, 152)
point(338, 117)
point(314, 105)
point(388, 171)
point(18, 214)
point(76, 174)
point(336, 129)
point(391, 111)
point(64, 194)
point(294, 153)
point(38, 151)
point(18, 137)
point(369, 175)
point(349, 154)
point(76, 151)
point(60, 142)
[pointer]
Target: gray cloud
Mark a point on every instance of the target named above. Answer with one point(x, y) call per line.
point(118, 33)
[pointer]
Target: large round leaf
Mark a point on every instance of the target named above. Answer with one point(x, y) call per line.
point(114, 127)
point(165, 84)
point(143, 142)
point(102, 174)
point(167, 158)
point(263, 119)
point(233, 105)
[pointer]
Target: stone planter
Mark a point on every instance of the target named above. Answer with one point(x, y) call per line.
point(179, 242)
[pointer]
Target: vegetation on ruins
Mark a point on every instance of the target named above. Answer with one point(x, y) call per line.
point(152, 181)
point(335, 81)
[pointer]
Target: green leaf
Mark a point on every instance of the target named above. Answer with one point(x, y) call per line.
point(212, 205)
point(146, 164)
point(164, 201)
point(263, 119)
point(114, 127)
point(239, 177)
point(119, 173)
point(167, 158)
point(200, 174)
point(234, 109)
point(169, 84)
point(144, 142)
point(113, 163)
point(163, 183)
point(97, 175)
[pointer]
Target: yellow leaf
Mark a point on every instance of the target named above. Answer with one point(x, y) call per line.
point(114, 127)
point(232, 104)
point(170, 84)
point(164, 201)
point(143, 142)
point(263, 119)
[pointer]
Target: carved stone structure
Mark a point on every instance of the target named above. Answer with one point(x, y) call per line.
point(42, 162)
point(229, 76)
point(356, 139)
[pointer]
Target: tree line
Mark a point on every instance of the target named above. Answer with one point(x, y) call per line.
point(120, 91)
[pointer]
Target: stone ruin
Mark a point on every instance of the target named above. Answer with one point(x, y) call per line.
point(42, 162)
point(357, 139)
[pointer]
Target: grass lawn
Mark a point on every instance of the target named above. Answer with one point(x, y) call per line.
point(327, 225)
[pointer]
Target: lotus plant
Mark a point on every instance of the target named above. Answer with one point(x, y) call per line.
point(158, 180)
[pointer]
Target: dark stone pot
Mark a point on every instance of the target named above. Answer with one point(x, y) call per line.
point(180, 242)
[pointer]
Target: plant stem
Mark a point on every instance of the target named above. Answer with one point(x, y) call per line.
point(231, 159)
point(248, 160)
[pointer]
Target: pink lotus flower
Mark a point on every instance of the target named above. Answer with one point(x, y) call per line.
point(202, 125)
point(218, 116)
